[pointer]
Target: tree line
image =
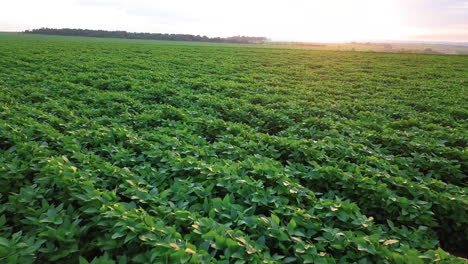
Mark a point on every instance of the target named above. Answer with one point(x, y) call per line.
point(135, 35)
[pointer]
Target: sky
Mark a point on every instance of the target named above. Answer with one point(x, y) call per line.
point(282, 20)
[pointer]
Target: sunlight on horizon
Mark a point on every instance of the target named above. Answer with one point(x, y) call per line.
point(350, 22)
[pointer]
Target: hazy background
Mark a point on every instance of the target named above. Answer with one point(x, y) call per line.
point(291, 20)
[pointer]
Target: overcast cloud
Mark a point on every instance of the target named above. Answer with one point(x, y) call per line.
point(304, 20)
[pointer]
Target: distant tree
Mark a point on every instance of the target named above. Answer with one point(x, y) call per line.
point(133, 35)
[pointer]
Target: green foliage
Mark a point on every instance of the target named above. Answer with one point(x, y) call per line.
point(118, 152)
point(133, 35)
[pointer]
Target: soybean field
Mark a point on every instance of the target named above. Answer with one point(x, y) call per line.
point(134, 151)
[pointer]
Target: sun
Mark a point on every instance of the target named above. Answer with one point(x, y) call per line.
point(343, 21)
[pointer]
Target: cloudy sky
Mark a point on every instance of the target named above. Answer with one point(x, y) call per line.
point(297, 20)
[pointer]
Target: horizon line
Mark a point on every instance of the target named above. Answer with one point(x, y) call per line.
point(402, 41)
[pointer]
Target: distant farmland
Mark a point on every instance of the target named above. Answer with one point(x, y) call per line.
point(411, 48)
point(135, 151)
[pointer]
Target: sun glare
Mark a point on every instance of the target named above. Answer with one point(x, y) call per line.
point(341, 21)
